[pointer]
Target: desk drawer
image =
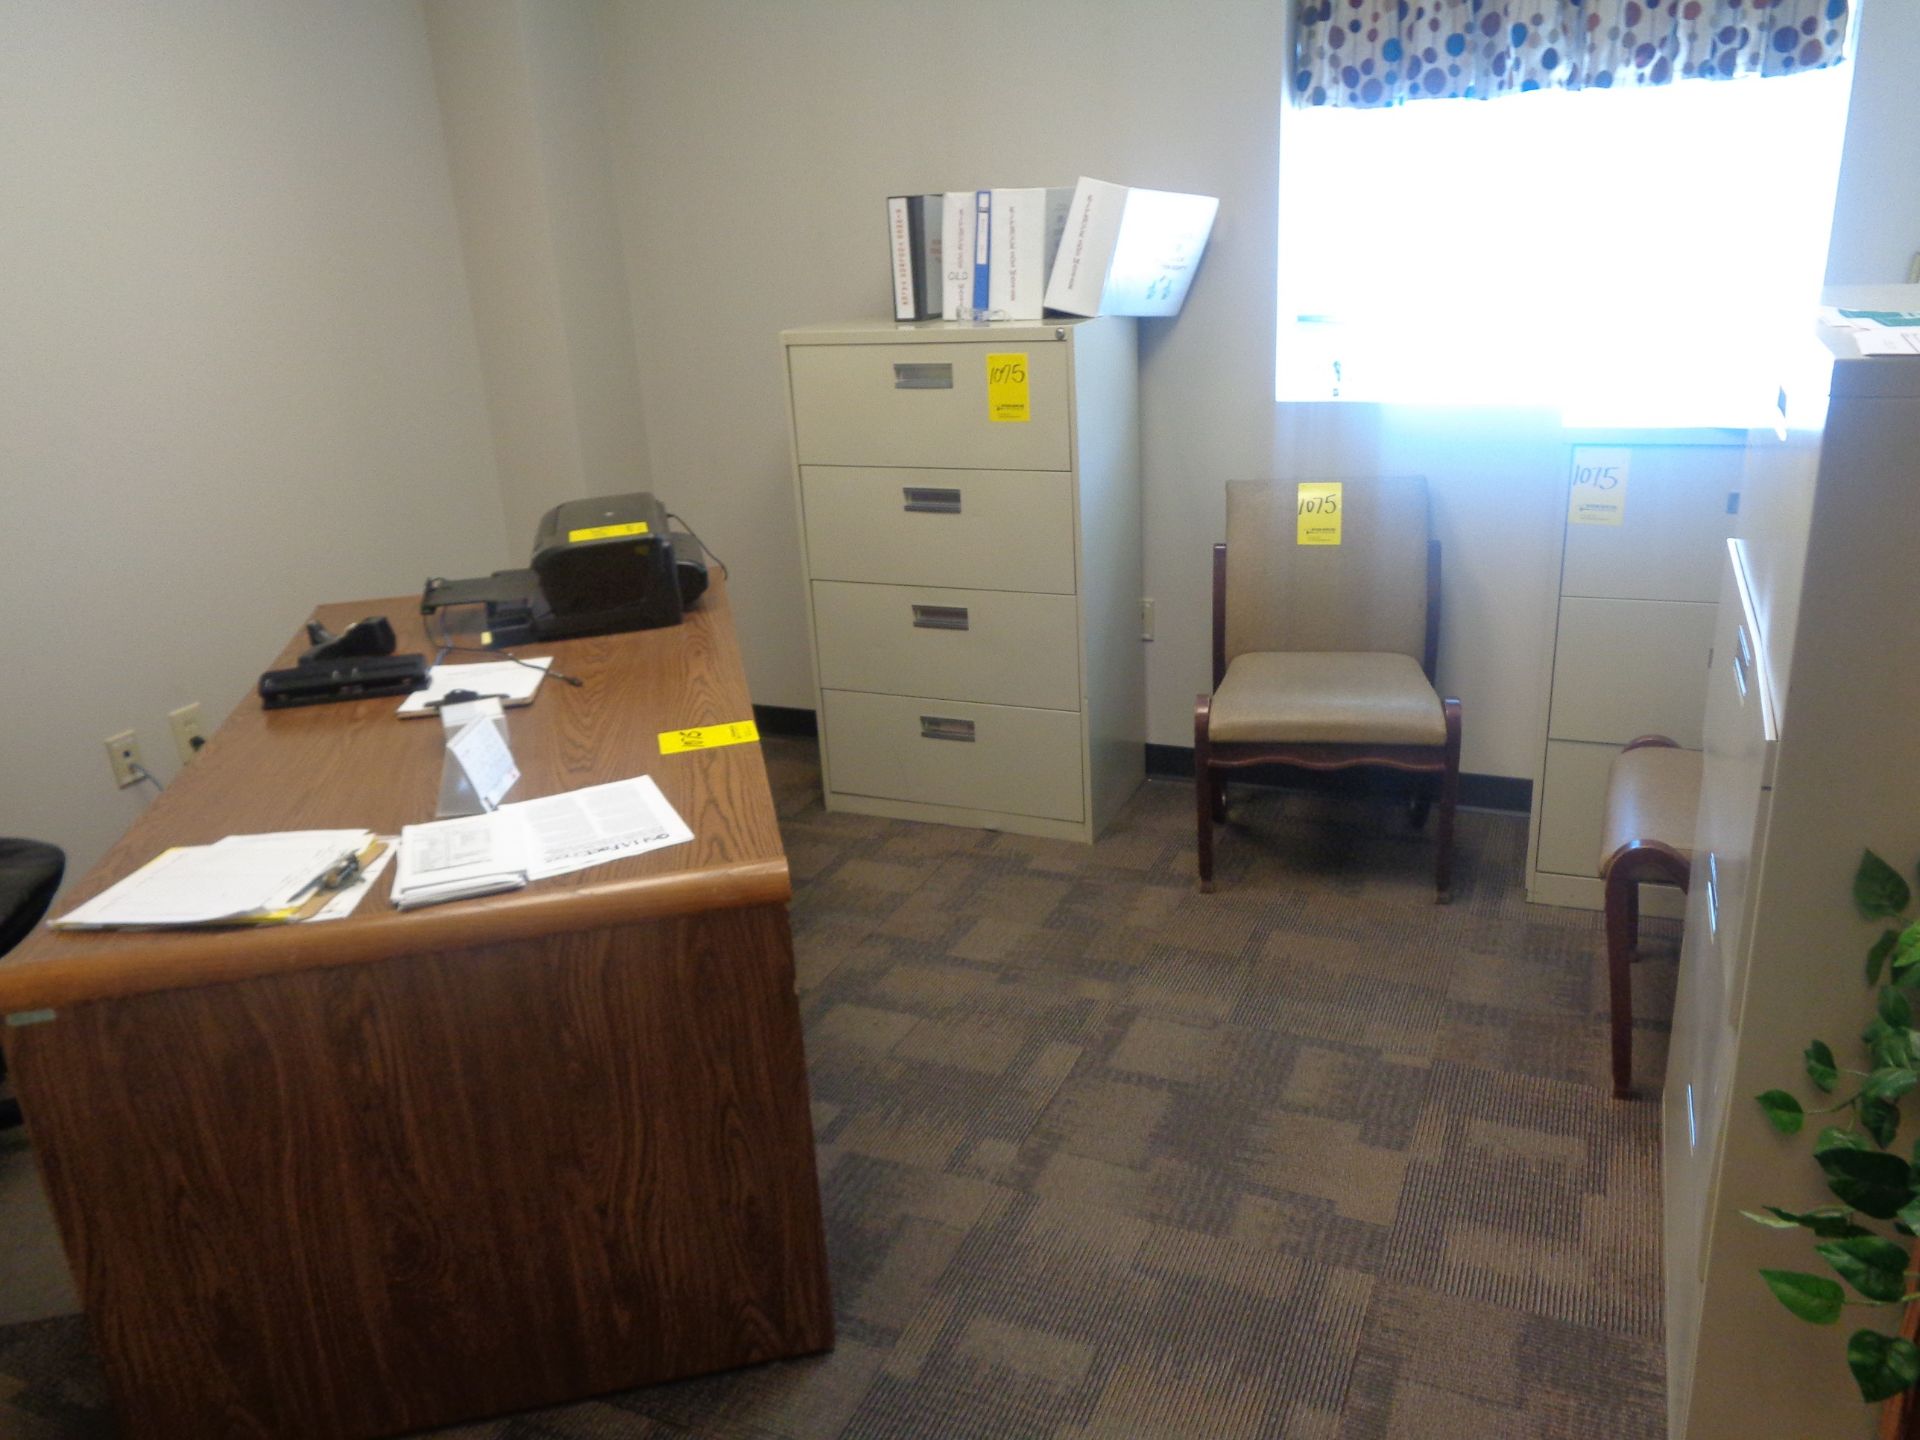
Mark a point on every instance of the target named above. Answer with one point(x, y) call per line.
point(926, 405)
point(968, 529)
point(948, 752)
point(999, 647)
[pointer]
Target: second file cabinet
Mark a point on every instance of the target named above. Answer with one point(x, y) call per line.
point(970, 520)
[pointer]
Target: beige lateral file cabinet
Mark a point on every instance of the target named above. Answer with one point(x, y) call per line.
point(1812, 754)
point(1633, 625)
point(970, 516)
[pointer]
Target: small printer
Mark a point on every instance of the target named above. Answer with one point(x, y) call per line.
point(599, 566)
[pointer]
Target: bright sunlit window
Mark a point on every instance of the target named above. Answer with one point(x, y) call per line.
point(1622, 256)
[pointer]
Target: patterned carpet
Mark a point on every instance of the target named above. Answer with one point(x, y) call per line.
point(1105, 1157)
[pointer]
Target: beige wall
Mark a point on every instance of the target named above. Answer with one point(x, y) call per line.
point(237, 367)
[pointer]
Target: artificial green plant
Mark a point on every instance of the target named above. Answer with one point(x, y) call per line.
point(1870, 1180)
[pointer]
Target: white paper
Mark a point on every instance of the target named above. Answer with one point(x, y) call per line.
point(454, 859)
point(600, 823)
point(205, 884)
point(484, 756)
point(1887, 342)
point(513, 682)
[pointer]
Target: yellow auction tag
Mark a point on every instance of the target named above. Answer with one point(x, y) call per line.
point(1007, 387)
point(1318, 513)
point(707, 737)
point(607, 532)
point(1598, 494)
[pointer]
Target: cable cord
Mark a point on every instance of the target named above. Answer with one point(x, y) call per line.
point(705, 548)
point(140, 772)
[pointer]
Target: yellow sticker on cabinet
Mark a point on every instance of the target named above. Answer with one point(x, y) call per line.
point(1007, 388)
point(606, 532)
point(1598, 495)
point(708, 737)
point(1318, 512)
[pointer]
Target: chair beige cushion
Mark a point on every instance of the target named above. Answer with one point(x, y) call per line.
point(1653, 793)
point(1339, 698)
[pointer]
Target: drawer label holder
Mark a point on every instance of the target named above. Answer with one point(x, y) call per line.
point(940, 617)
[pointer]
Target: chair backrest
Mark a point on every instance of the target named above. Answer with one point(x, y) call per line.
point(1369, 592)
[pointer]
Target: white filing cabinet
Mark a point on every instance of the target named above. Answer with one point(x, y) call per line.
point(973, 568)
point(1634, 622)
point(1812, 753)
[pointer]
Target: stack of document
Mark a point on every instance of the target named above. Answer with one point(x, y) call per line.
point(271, 879)
point(532, 840)
point(458, 859)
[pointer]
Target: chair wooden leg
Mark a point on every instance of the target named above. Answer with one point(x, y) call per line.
point(1449, 797)
point(1622, 904)
point(1204, 793)
point(1219, 802)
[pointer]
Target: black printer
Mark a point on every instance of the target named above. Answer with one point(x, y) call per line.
point(599, 566)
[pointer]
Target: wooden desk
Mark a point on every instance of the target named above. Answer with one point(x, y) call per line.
point(385, 1173)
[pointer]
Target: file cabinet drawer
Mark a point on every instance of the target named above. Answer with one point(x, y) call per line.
point(926, 405)
point(948, 752)
point(970, 529)
point(993, 646)
point(1630, 667)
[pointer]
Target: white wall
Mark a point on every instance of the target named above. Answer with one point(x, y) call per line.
point(238, 373)
point(1876, 216)
point(518, 82)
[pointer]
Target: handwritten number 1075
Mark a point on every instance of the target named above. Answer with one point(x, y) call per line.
point(1596, 477)
point(1319, 504)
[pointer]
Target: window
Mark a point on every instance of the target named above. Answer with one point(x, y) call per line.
point(1622, 256)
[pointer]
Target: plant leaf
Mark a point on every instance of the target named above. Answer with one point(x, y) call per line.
point(1878, 889)
point(1890, 1047)
point(1881, 1117)
point(1868, 1180)
point(1783, 1110)
point(1890, 1082)
point(1906, 953)
point(1877, 956)
point(1895, 1009)
point(1828, 1223)
point(1875, 1267)
point(1882, 1365)
point(1821, 1069)
point(1814, 1298)
point(1834, 1138)
point(1908, 1220)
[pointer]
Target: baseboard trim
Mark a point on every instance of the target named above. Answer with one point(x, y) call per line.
point(1481, 792)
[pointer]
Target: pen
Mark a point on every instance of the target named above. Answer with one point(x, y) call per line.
point(337, 876)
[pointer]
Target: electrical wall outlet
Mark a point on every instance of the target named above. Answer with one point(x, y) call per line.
point(186, 730)
point(1146, 619)
point(123, 753)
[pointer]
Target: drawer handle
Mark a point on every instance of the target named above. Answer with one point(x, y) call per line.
point(940, 617)
point(941, 727)
point(1713, 897)
point(925, 500)
point(1746, 646)
point(923, 377)
point(1740, 674)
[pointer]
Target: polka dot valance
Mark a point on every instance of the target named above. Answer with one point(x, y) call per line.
point(1384, 52)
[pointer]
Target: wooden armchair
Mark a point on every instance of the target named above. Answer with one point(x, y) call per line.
point(1323, 655)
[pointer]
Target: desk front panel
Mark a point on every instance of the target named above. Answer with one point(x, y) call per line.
point(377, 1198)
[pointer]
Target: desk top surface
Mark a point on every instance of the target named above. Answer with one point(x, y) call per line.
point(355, 765)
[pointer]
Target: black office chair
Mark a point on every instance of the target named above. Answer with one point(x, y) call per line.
point(29, 874)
